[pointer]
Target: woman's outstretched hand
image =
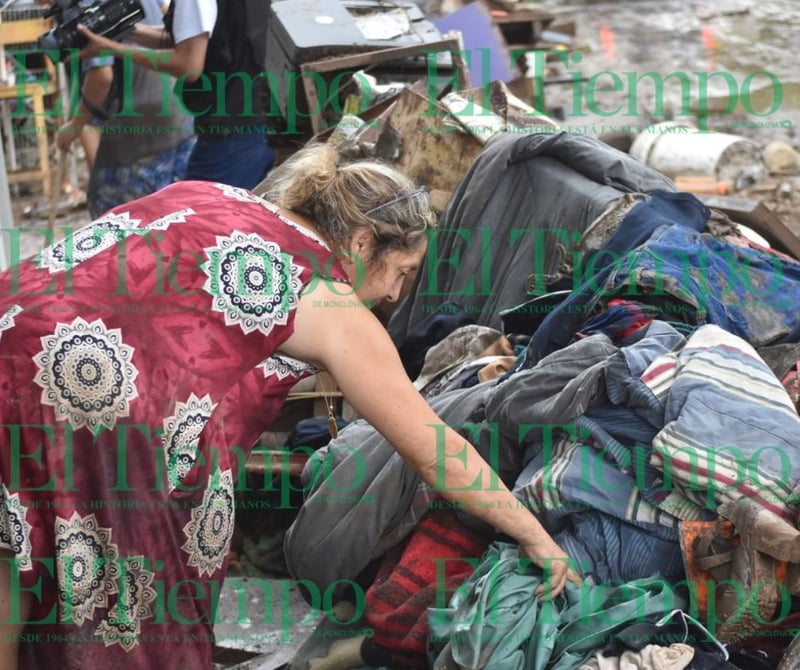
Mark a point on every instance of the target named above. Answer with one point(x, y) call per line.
point(556, 564)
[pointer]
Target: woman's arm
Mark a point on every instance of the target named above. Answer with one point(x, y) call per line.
point(345, 338)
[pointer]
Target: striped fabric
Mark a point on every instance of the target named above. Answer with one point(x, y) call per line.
point(730, 428)
point(723, 427)
point(441, 553)
point(578, 478)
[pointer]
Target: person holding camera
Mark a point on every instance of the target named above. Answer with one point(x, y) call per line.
point(216, 51)
point(145, 139)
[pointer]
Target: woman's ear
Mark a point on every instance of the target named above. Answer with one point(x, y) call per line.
point(361, 241)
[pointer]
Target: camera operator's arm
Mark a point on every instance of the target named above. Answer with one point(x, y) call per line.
point(182, 54)
point(150, 37)
point(186, 59)
point(95, 89)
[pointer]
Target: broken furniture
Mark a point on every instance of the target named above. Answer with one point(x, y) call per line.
point(759, 217)
point(25, 83)
point(314, 48)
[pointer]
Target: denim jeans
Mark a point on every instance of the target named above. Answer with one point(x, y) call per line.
point(239, 160)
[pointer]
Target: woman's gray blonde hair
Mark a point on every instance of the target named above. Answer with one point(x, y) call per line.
point(342, 196)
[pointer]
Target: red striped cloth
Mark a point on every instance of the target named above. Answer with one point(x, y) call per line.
point(398, 600)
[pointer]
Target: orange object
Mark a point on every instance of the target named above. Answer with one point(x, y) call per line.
point(707, 35)
point(607, 41)
point(700, 580)
point(694, 184)
point(690, 531)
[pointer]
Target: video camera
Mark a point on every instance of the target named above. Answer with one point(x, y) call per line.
point(109, 18)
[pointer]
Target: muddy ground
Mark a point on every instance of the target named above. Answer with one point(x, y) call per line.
point(739, 59)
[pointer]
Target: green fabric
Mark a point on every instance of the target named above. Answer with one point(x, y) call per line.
point(495, 621)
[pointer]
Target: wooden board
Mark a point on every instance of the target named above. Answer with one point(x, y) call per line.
point(759, 217)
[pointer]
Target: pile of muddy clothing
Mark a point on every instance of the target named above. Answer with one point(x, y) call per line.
point(513, 224)
point(641, 404)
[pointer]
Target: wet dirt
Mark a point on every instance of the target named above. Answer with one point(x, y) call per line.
point(728, 66)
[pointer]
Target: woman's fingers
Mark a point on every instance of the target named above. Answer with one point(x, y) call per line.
point(554, 580)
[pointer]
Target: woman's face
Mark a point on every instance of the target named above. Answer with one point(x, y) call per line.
point(374, 282)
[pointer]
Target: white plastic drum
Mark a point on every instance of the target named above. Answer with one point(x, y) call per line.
point(678, 149)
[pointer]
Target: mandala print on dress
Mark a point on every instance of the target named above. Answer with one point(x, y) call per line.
point(88, 241)
point(15, 531)
point(181, 433)
point(86, 374)
point(123, 624)
point(87, 567)
point(173, 217)
point(286, 366)
point(208, 534)
point(7, 320)
point(252, 282)
point(240, 194)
